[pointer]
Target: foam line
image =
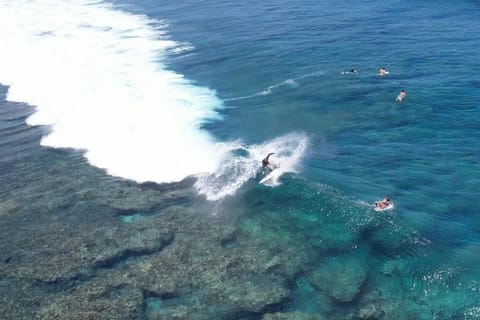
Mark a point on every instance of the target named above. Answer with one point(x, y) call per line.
point(292, 83)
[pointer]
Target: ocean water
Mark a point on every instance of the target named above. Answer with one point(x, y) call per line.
point(114, 113)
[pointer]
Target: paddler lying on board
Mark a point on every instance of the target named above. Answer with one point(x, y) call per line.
point(383, 203)
point(267, 165)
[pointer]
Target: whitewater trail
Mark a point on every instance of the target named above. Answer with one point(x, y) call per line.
point(292, 83)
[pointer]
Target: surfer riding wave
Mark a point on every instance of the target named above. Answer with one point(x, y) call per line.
point(240, 164)
point(267, 165)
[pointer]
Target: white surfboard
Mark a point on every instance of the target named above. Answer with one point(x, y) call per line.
point(389, 207)
point(269, 176)
point(272, 177)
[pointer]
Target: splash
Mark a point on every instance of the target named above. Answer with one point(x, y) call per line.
point(242, 163)
point(97, 77)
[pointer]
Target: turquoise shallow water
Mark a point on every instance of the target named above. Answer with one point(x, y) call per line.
point(276, 67)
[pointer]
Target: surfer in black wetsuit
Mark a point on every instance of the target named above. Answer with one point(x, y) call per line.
point(266, 164)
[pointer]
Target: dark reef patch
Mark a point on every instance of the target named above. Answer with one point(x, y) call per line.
point(126, 255)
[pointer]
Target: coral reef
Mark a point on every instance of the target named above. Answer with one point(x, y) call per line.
point(76, 244)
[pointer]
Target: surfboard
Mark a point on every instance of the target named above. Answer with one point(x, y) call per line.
point(269, 176)
point(389, 207)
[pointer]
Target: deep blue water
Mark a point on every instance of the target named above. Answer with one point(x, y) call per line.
point(276, 66)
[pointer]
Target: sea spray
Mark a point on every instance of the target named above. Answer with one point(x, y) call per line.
point(236, 168)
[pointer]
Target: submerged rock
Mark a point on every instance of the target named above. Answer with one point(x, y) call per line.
point(341, 277)
point(292, 316)
point(370, 312)
point(96, 302)
point(177, 260)
point(337, 238)
point(395, 266)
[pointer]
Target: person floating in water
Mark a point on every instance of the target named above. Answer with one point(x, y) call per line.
point(351, 71)
point(382, 71)
point(401, 96)
point(267, 165)
point(383, 203)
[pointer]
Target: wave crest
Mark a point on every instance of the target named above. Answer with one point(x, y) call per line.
point(97, 76)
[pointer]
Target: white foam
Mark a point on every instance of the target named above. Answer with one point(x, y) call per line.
point(96, 75)
point(235, 170)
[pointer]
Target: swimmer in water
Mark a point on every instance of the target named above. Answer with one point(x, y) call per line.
point(382, 71)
